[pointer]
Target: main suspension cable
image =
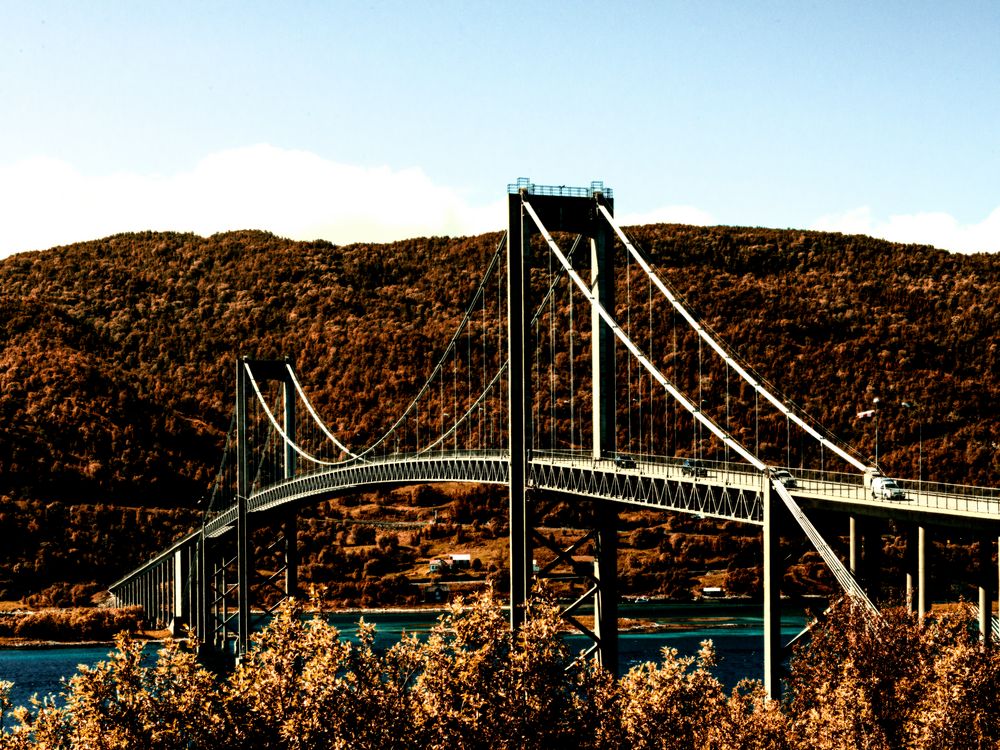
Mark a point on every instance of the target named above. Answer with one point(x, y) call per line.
point(636, 352)
point(730, 360)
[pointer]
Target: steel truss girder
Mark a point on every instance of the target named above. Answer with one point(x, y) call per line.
point(694, 497)
point(490, 468)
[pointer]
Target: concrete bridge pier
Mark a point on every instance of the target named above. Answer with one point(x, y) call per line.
point(915, 566)
point(909, 567)
point(922, 600)
point(291, 554)
point(985, 571)
point(606, 594)
point(290, 526)
point(182, 590)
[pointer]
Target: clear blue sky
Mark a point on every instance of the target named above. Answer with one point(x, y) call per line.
point(355, 120)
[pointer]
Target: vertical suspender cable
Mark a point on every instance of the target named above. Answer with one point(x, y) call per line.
point(482, 416)
point(468, 373)
point(788, 441)
point(635, 351)
point(552, 361)
point(728, 427)
point(756, 422)
point(671, 406)
point(500, 350)
point(628, 332)
point(572, 356)
point(652, 398)
point(454, 393)
point(701, 402)
point(536, 377)
point(641, 382)
point(718, 348)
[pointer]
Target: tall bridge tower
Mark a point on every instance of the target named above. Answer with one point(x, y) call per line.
point(572, 210)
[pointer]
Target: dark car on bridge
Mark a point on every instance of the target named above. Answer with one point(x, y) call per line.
point(693, 468)
point(623, 461)
point(786, 478)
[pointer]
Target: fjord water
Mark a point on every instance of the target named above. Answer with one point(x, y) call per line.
point(735, 629)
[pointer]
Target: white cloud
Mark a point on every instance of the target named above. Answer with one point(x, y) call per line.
point(934, 228)
point(297, 194)
point(668, 215)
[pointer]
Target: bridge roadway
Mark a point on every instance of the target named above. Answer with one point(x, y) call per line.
point(729, 490)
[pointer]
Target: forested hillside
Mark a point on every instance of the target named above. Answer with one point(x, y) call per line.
point(117, 358)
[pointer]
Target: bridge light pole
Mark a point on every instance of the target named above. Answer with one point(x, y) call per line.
point(875, 403)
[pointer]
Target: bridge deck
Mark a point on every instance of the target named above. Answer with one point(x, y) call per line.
point(729, 490)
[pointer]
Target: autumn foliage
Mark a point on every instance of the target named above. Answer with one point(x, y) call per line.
point(471, 684)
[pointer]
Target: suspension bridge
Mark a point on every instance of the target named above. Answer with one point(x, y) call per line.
point(577, 374)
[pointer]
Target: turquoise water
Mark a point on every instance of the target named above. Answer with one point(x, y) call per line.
point(735, 629)
point(40, 671)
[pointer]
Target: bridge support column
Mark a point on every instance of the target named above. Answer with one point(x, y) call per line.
point(772, 575)
point(291, 533)
point(206, 602)
point(855, 552)
point(922, 599)
point(985, 590)
point(519, 405)
point(242, 492)
point(606, 595)
point(291, 528)
point(560, 212)
point(181, 590)
point(909, 563)
point(602, 283)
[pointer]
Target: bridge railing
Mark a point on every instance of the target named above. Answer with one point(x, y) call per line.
point(955, 497)
point(666, 466)
point(850, 486)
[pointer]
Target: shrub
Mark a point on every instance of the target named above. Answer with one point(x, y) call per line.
point(890, 683)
